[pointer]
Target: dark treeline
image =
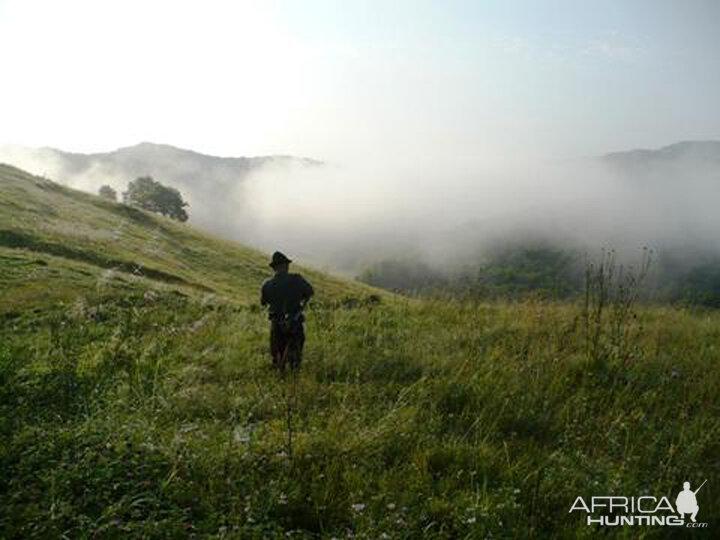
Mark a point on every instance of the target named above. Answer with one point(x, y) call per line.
point(549, 272)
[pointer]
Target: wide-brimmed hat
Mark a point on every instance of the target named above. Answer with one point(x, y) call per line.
point(279, 258)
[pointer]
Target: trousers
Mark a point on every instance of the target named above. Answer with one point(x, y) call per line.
point(286, 343)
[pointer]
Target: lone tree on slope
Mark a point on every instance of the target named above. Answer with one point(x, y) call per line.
point(106, 192)
point(155, 197)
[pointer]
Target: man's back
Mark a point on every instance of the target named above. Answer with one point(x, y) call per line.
point(285, 292)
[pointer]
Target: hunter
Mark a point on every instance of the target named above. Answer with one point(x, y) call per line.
point(286, 294)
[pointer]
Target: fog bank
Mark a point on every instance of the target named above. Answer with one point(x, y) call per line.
point(347, 216)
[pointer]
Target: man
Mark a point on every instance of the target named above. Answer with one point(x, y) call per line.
point(286, 294)
point(687, 502)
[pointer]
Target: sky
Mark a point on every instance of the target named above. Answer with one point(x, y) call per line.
point(412, 81)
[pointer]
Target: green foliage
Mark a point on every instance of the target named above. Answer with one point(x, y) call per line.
point(518, 271)
point(609, 308)
point(106, 192)
point(510, 272)
point(700, 285)
point(155, 197)
point(158, 416)
point(403, 275)
point(524, 271)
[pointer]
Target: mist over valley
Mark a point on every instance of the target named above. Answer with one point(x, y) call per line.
point(445, 222)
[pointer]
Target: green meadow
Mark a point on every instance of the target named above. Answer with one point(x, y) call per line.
point(136, 398)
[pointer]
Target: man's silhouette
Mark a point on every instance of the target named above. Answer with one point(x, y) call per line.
point(286, 294)
point(686, 502)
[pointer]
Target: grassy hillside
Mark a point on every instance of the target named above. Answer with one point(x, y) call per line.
point(82, 244)
point(199, 177)
point(142, 405)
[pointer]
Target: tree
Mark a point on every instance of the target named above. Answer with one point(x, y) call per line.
point(106, 192)
point(155, 197)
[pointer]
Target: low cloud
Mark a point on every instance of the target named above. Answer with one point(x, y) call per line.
point(345, 217)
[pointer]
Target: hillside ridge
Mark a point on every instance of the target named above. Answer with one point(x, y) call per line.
point(73, 233)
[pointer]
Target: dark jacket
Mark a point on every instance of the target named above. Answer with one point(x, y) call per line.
point(285, 293)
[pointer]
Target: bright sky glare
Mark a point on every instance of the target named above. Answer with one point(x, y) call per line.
point(340, 80)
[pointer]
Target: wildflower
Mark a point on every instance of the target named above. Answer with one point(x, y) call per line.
point(358, 507)
point(241, 435)
point(391, 506)
point(471, 520)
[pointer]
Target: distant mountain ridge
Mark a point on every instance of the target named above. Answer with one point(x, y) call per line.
point(149, 149)
point(169, 163)
point(216, 187)
point(677, 156)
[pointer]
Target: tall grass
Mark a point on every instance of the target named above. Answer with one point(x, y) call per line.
point(158, 415)
point(609, 313)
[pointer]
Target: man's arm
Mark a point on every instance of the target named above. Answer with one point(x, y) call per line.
point(263, 297)
point(306, 290)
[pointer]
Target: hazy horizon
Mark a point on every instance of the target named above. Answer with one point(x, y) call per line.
point(435, 118)
point(348, 218)
point(451, 81)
